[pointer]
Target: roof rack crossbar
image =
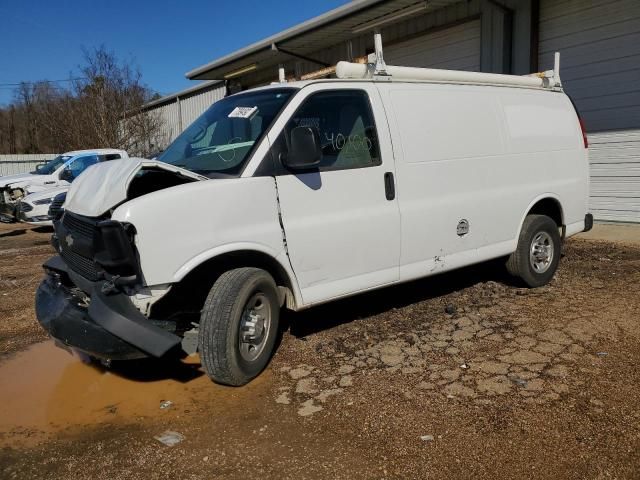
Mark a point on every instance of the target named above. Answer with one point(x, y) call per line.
point(376, 69)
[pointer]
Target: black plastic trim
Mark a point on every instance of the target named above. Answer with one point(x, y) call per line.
point(60, 314)
point(588, 222)
point(110, 315)
point(117, 315)
point(389, 186)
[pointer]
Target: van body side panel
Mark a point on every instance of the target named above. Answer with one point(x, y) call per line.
point(544, 136)
point(178, 228)
point(468, 157)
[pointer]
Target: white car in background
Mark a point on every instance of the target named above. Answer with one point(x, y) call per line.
point(59, 172)
point(35, 207)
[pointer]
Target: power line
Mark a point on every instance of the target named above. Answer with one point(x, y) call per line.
point(42, 81)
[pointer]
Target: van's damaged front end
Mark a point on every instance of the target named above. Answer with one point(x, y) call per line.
point(93, 297)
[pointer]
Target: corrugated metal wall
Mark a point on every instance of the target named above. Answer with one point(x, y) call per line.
point(455, 48)
point(178, 113)
point(599, 42)
point(170, 124)
point(193, 106)
point(22, 163)
point(392, 34)
point(615, 175)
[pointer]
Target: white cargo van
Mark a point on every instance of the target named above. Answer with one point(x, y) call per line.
point(300, 193)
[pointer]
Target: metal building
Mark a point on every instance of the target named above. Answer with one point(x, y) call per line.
point(178, 110)
point(599, 41)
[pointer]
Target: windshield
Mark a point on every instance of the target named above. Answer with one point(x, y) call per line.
point(52, 165)
point(221, 140)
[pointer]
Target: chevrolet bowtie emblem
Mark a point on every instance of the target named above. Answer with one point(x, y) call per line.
point(68, 240)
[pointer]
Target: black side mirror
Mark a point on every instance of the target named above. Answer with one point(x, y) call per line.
point(305, 151)
point(67, 175)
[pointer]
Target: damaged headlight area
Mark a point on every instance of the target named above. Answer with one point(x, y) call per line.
point(16, 194)
point(9, 198)
point(24, 207)
point(115, 252)
point(92, 298)
point(98, 249)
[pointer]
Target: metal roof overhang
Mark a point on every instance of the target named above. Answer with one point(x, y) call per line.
point(324, 31)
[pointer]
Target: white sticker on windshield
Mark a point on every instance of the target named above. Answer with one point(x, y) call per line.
point(243, 112)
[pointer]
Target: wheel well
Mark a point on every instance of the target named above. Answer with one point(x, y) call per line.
point(188, 296)
point(549, 207)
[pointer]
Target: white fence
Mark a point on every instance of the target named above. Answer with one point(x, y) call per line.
point(12, 164)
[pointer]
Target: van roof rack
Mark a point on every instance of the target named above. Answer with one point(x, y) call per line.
point(377, 69)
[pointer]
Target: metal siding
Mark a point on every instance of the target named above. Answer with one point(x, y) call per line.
point(195, 105)
point(615, 175)
point(363, 43)
point(170, 123)
point(599, 43)
point(455, 48)
point(11, 164)
point(192, 106)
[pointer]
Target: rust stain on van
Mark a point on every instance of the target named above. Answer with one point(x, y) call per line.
point(46, 390)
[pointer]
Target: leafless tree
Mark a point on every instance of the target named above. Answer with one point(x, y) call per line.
point(101, 108)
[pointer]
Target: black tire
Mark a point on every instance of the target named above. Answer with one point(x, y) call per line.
point(520, 264)
point(219, 337)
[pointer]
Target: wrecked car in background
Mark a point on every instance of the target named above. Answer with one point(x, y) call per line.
point(35, 208)
point(59, 172)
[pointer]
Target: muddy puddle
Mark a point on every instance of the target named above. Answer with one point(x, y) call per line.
point(45, 390)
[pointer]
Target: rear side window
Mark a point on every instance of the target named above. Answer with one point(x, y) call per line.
point(110, 156)
point(345, 125)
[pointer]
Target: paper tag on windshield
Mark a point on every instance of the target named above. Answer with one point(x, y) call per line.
point(243, 112)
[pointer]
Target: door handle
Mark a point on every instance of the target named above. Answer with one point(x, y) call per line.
point(389, 186)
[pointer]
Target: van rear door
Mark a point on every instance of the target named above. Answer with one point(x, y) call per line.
point(341, 220)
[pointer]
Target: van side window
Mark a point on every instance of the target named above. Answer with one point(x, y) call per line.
point(346, 127)
point(80, 164)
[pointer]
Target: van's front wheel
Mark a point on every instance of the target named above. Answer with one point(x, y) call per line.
point(538, 252)
point(239, 326)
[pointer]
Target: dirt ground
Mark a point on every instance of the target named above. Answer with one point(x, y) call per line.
point(458, 376)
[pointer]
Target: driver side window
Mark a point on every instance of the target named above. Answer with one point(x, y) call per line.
point(344, 121)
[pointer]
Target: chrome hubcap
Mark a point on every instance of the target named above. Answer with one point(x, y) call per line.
point(254, 327)
point(541, 252)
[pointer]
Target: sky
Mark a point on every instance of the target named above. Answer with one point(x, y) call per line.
point(43, 39)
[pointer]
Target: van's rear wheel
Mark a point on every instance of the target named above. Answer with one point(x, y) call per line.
point(239, 326)
point(538, 252)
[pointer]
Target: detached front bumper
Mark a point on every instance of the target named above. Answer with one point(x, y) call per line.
point(110, 327)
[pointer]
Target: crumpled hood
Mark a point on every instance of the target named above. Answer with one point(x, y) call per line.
point(20, 179)
point(105, 185)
